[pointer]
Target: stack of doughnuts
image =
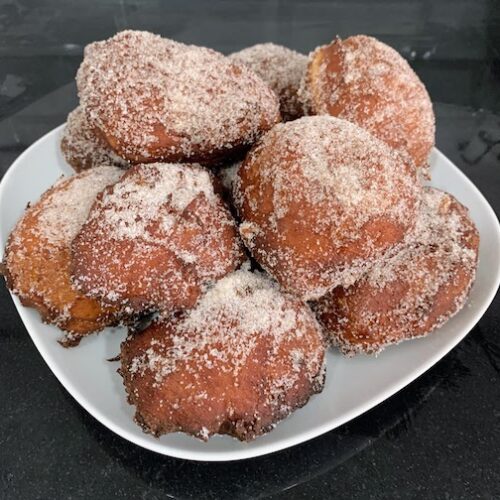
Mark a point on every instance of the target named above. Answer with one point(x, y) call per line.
point(241, 215)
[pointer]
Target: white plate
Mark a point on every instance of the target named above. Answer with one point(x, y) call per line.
point(352, 386)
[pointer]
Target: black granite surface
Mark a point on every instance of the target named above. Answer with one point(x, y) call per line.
point(437, 438)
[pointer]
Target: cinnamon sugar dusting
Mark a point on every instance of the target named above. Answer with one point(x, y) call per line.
point(242, 320)
point(82, 148)
point(226, 324)
point(329, 173)
point(132, 207)
point(140, 87)
point(331, 206)
point(374, 87)
point(65, 209)
point(281, 68)
point(161, 230)
point(421, 284)
point(443, 229)
point(341, 164)
point(37, 255)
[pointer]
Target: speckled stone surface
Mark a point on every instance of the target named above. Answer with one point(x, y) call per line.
point(437, 438)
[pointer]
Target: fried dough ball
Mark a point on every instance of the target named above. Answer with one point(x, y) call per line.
point(38, 255)
point(156, 99)
point(365, 81)
point(83, 148)
point(154, 238)
point(243, 359)
point(281, 68)
point(413, 292)
point(321, 200)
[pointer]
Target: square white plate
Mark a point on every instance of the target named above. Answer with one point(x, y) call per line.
point(353, 385)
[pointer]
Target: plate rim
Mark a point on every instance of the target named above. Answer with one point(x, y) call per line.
point(267, 448)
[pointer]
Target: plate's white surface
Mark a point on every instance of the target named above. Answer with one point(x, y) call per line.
point(353, 385)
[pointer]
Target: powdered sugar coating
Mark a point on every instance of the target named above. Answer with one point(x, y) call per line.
point(249, 353)
point(412, 291)
point(155, 98)
point(321, 200)
point(362, 80)
point(281, 68)
point(83, 148)
point(154, 238)
point(37, 255)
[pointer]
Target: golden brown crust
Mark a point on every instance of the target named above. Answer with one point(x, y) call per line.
point(368, 83)
point(154, 238)
point(415, 290)
point(155, 99)
point(242, 360)
point(321, 200)
point(37, 256)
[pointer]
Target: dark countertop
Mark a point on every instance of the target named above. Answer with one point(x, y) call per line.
point(437, 438)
